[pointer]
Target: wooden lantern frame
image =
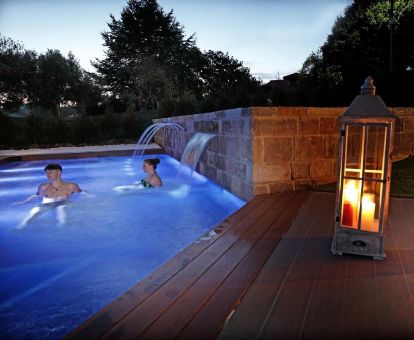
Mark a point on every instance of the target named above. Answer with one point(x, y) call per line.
point(357, 231)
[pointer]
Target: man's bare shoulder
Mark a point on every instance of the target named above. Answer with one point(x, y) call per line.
point(42, 188)
point(73, 186)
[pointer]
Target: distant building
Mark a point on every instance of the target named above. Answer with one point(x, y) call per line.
point(282, 84)
point(282, 91)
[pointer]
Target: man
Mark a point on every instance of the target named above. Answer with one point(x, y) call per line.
point(55, 194)
point(56, 188)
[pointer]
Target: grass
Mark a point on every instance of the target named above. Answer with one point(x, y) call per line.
point(402, 180)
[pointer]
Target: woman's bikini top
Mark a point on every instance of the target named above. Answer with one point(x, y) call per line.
point(146, 184)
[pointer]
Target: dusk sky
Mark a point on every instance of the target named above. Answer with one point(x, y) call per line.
point(271, 37)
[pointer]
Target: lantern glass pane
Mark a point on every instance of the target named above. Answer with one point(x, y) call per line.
point(371, 206)
point(353, 151)
point(350, 203)
point(375, 152)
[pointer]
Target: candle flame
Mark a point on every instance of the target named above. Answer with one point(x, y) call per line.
point(351, 192)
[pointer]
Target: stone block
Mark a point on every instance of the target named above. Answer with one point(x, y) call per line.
point(309, 125)
point(260, 190)
point(403, 111)
point(326, 111)
point(321, 168)
point(280, 186)
point(230, 113)
point(236, 186)
point(245, 149)
point(246, 191)
point(233, 127)
point(278, 149)
point(331, 146)
point(291, 111)
point(223, 179)
point(408, 125)
point(210, 172)
point(214, 145)
point(300, 170)
point(217, 161)
point(404, 143)
point(327, 125)
point(265, 173)
point(222, 145)
point(209, 126)
point(399, 123)
point(232, 147)
point(309, 147)
point(263, 111)
point(236, 169)
point(303, 185)
point(257, 149)
point(275, 127)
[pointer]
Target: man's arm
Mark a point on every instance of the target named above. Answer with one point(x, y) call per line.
point(75, 187)
point(40, 192)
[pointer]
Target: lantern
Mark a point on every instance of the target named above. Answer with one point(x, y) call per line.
point(364, 172)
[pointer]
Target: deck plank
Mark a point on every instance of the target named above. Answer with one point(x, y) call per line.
point(266, 287)
point(144, 314)
point(283, 283)
point(222, 302)
point(115, 311)
point(178, 315)
point(290, 308)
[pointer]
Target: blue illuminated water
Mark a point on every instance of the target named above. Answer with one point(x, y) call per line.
point(54, 277)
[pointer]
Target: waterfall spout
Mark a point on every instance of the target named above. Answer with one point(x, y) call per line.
point(145, 138)
point(192, 153)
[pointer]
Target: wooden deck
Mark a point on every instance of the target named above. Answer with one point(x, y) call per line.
point(269, 273)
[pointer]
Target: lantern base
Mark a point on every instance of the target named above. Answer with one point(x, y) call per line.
point(358, 243)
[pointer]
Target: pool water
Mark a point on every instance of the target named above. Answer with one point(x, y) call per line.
point(55, 276)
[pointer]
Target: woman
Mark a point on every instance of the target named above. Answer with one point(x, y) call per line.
point(152, 180)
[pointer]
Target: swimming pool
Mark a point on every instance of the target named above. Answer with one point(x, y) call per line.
point(53, 277)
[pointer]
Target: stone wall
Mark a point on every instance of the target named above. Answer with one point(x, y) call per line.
point(269, 149)
point(227, 159)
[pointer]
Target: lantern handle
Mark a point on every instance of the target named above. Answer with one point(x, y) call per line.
point(368, 87)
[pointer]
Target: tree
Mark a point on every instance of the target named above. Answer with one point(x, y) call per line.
point(358, 46)
point(225, 77)
point(51, 80)
point(146, 51)
point(16, 81)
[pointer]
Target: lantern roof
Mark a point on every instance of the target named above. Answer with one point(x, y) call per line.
point(367, 104)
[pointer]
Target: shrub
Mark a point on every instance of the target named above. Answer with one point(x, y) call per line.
point(109, 125)
point(84, 130)
point(167, 107)
point(208, 104)
point(33, 128)
point(8, 130)
point(131, 125)
point(186, 105)
point(55, 130)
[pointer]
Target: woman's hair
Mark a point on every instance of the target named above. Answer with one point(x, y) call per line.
point(152, 161)
point(53, 166)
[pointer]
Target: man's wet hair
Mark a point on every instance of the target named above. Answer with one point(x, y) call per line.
point(53, 166)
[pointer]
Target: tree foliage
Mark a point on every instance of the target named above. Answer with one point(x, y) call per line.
point(16, 81)
point(149, 57)
point(146, 53)
point(364, 41)
point(47, 80)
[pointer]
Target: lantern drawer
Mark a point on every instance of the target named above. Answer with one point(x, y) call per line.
point(361, 244)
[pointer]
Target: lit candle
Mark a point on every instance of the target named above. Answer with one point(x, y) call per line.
point(368, 214)
point(350, 204)
point(347, 215)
